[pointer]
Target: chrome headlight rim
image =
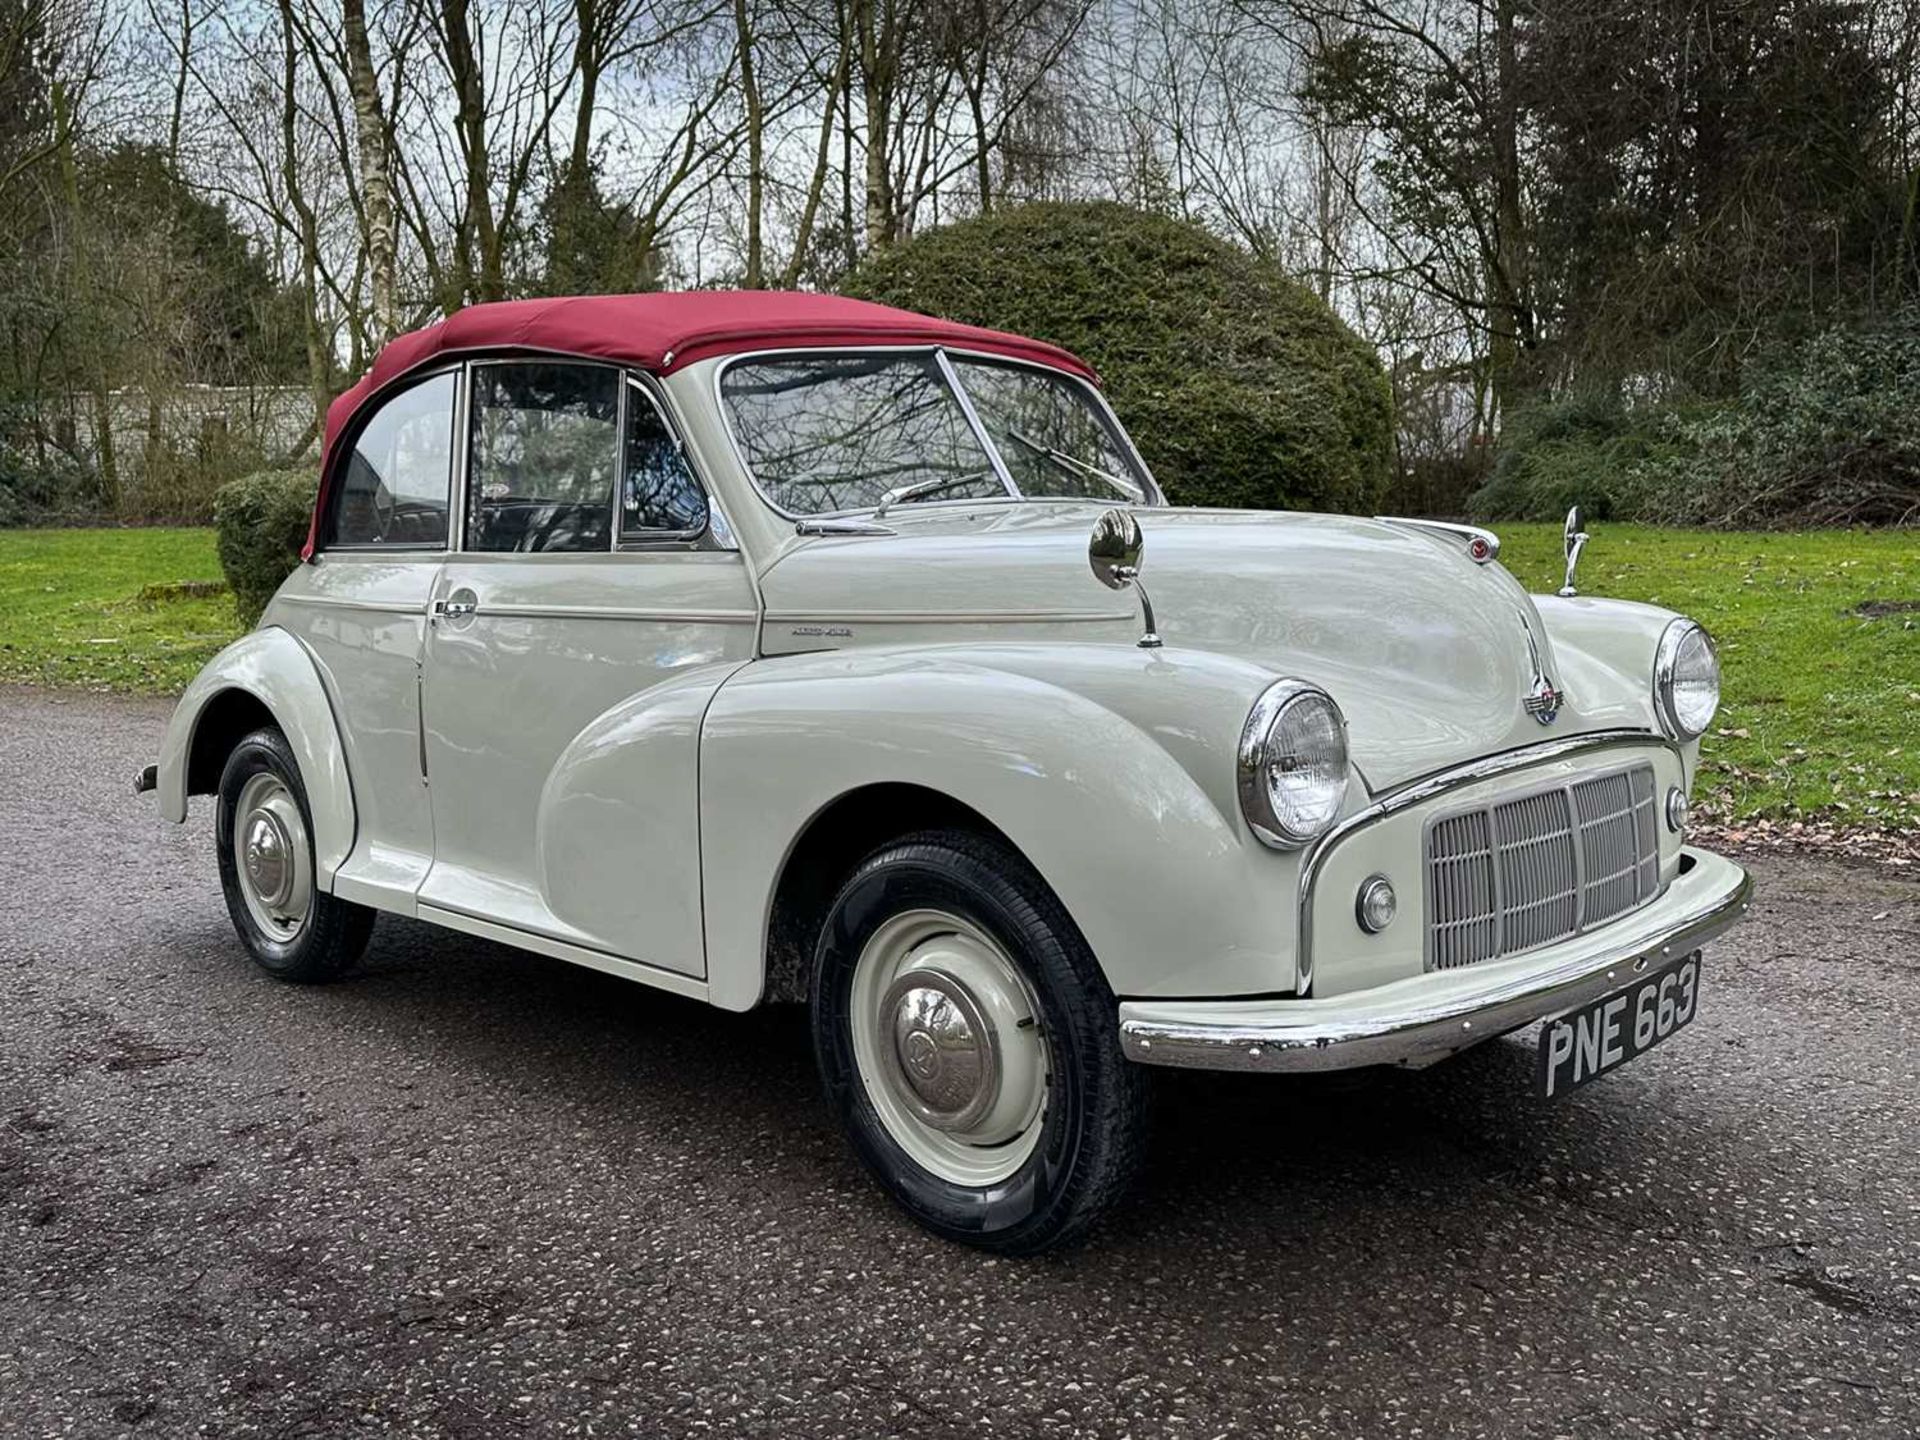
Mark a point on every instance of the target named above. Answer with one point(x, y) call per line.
point(1256, 800)
point(1666, 661)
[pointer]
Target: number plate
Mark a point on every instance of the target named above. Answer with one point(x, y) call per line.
point(1586, 1043)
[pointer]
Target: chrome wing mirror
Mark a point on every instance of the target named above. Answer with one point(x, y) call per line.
point(1114, 554)
point(1576, 540)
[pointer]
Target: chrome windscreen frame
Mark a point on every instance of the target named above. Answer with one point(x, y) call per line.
point(1426, 788)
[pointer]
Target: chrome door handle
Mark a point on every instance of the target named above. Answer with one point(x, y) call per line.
point(458, 606)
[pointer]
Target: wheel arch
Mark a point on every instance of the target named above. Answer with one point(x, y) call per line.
point(1107, 772)
point(227, 719)
point(827, 849)
point(266, 677)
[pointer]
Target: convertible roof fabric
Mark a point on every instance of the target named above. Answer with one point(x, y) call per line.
point(661, 332)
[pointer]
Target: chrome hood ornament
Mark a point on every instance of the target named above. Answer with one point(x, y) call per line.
point(1543, 699)
point(1576, 541)
point(1113, 552)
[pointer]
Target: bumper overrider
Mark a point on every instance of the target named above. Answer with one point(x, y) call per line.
point(1425, 1018)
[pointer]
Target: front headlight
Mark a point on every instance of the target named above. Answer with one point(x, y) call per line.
point(1293, 764)
point(1686, 680)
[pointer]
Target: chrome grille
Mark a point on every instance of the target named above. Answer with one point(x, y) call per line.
point(1536, 869)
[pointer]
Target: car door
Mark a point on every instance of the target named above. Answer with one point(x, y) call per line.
point(361, 610)
point(573, 646)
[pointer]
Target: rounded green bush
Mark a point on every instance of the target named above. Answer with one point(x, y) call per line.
point(1239, 385)
point(260, 523)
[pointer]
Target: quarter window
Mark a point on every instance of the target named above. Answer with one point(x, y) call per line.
point(658, 494)
point(545, 447)
point(397, 478)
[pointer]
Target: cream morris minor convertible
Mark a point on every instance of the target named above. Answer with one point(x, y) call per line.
point(781, 647)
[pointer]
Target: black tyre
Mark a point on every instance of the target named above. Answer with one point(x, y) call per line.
point(263, 833)
point(968, 1042)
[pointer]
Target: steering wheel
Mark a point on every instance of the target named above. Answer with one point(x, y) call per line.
point(385, 508)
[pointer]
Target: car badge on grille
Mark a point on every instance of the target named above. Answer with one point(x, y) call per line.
point(1543, 700)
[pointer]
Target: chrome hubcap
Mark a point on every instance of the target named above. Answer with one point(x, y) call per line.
point(950, 1050)
point(943, 1055)
point(272, 857)
point(266, 858)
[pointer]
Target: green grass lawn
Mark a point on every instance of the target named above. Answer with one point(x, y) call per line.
point(1822, 687)
point(72, 613)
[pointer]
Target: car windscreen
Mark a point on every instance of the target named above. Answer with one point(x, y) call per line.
point(827, 433)
point(837, 432)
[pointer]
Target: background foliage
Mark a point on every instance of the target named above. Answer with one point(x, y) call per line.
point(1821, 432)
point(1619, 233)
point(1240, 386)
point(261, 524)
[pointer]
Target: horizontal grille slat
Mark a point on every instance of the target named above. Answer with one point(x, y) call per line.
point(1529, 871)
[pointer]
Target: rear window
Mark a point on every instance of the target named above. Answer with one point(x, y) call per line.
point(397, 479)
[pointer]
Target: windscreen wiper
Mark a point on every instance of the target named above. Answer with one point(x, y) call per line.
point(940, 485)
point(1074, 465)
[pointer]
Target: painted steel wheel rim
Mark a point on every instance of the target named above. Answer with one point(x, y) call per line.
point(272, 857)
point(948, 1041)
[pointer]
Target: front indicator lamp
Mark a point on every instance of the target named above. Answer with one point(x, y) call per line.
point(1376, 904)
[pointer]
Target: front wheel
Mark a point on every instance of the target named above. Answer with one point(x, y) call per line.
point(966, 1038)
point(263, 831)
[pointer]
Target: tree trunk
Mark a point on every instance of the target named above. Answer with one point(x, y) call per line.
point(376, 182)
point(478, 235)
point(1510, 288)
point(756, 135)
point(98, 398)
point(876, 75)
point(306, 223)
point(803, 233)
point(588, 61)
point(180, 78)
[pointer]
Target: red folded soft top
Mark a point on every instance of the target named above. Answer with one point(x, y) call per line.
point(661, 332)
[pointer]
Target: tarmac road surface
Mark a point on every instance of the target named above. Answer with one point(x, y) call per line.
point(473, 1192)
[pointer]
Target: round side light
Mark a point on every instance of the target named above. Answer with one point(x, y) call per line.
point(1376, 904)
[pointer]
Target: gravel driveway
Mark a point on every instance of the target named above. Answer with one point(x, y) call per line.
point(474, 1192)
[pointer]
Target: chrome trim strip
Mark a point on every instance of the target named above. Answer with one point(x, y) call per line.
point(1425, 1034)
point(617, 612)
point(994, 457)
point(1465, 532)
point(841, 527)
point(332, 602)
point(949, 617)
point(1422, 788)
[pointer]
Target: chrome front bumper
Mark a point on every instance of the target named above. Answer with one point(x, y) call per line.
point(1417, 1021)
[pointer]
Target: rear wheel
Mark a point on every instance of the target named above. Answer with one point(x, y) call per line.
point(967, 1040)
point(263, 833)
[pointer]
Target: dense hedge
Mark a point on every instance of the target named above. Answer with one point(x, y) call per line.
point(260, 523)
point(1824, 432)
point(1238, 384)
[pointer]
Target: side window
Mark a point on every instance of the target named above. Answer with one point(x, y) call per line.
point(545, 445)
point(394, 490)
point(658, 494)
